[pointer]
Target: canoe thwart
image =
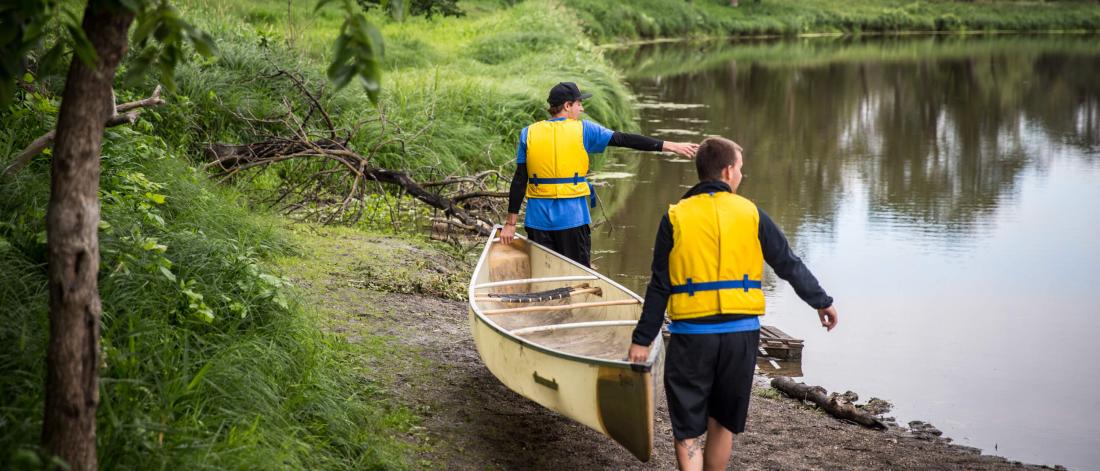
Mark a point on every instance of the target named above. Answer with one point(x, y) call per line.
point(561, 307)
point(547, 279)
point(574, 325)
point(549, 295)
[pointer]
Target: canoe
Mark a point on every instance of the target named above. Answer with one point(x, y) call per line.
point(557, 333)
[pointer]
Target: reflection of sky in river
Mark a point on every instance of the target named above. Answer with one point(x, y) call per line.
point(948, 206)
point(994, 344)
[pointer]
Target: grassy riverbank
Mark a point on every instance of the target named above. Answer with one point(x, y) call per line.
point(625, 20)
point(212, 359)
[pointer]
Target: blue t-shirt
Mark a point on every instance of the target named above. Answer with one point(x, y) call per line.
point(556, 214)
point(737, 325)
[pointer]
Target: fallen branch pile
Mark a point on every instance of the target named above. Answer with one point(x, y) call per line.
point(322, 178)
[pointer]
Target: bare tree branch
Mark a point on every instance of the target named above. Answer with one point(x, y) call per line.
point(123, 114)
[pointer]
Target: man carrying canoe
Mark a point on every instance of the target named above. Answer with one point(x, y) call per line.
point(708, 267)
point(552, 169)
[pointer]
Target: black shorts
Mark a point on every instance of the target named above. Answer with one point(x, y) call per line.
point(709, 375)
point(575, 243)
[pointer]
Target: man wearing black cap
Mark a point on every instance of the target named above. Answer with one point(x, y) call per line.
point(551, 170)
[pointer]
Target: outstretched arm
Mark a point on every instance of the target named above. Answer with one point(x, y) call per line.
point(646, 143)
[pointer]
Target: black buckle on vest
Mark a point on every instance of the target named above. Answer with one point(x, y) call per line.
point(690, 287)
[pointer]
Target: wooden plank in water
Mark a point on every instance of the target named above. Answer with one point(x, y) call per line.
point(780, 345)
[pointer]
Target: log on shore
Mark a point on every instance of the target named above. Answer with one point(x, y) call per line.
point(836, 405)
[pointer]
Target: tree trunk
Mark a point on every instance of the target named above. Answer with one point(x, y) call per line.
point(72, 359)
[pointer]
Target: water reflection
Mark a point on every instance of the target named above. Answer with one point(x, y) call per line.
point(940, 141)
point(935, 182)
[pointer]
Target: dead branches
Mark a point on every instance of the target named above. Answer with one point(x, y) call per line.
point(321, 176)
point(125, 113)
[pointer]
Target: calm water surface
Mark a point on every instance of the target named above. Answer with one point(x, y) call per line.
point(944, 191)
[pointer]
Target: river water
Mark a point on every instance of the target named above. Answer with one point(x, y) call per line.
point(944, 191)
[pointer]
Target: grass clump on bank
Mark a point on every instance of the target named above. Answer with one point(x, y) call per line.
point(618, 20)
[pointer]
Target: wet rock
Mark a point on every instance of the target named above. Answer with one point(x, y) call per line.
point(877, 406)
point(850, 396)
point(924, 430)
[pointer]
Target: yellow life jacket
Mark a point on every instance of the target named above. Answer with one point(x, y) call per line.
point(716, 265)
point(556, 160)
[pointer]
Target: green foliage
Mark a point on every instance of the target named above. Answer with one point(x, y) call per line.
point(508, 46)
point(159, 41)
point(25, 25)
point(426, 8)
point(209, 359)
point(358, 51)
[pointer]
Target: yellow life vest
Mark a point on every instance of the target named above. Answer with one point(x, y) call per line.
point(556, 160)
point(716, 265)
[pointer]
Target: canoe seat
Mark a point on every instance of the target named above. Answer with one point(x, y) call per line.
point(607, 340)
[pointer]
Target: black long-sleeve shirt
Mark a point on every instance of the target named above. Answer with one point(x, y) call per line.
point(777, 253)
point(618, 139)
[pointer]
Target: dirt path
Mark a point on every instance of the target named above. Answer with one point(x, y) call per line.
point(473, 422)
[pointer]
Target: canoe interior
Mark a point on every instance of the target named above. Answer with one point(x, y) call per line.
point(522, 260)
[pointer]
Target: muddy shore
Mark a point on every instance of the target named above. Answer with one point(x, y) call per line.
point(410, 294)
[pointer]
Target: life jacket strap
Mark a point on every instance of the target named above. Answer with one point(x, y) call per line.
point(691, 287)
point(575, 180)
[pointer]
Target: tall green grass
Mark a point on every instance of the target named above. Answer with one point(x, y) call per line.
point(456, 91)
point(618, 20)
point(209, 362)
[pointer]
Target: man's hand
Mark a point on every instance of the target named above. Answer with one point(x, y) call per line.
point(828, 317)
point(686, 149)
point(637, 353)
point(508, 234)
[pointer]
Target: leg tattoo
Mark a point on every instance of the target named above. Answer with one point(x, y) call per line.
point(692, 445)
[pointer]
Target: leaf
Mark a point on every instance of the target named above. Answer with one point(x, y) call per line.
point(167, 274)
point(49, 64)
point(156, 198)
point(321, 4)
point(81, 45)
point(199, 376)
point(132, 5)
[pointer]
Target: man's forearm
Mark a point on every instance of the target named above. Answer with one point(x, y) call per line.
point(659, 289)
point(518, 189)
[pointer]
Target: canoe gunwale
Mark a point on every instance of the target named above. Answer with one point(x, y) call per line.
point(655, 347)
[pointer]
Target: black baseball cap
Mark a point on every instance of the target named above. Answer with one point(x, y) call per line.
point(566, 91)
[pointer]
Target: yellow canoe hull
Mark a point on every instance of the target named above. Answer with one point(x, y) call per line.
point(570, 359)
